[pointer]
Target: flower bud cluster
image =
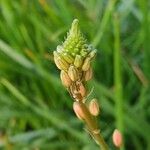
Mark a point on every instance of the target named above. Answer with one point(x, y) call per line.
point(74, 58)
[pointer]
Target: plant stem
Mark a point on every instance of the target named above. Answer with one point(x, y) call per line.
point(93, 127)
point(118, 75)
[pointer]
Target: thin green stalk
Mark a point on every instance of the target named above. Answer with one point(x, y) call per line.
point(146, 32)
point(118, 74)
point(104, 22)
point(92, 127)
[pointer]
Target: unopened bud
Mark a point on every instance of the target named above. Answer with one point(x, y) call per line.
point(60, 62)
point(59, 49)
point(78, 110)
point(78, 61)
point(73, 73)
point(117, 138)
point(66, 81)
point(56, 54)
point(88, 74)
point(82, 90)
point(83, 52)
point(86, 64)
point(92, 53)
point(68, 58)
point(94, 107)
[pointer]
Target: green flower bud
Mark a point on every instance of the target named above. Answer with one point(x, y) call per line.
point(78, 61)
point(68, 58)
point(86, 64)
point(73, 73)
point(59, 49)
point(66, 81)
point(75, 40)
point(83, 53)
point(92, 53)
point(56, 54)
point(60, 62)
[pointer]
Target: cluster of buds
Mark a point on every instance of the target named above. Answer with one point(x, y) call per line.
point(74, 58)
point(93, 109)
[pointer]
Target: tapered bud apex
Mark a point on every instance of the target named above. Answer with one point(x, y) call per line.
point(73, 73)
point(78, 61)
point(88, 74)
point(60, 62)
point(78, 110)
point(117, 138)
point(75, 27)
point(94, 107)
point(86, 64)
point(66, 81)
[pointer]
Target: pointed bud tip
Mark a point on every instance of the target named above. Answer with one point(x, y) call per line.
point(75, 22)
point(74, 27)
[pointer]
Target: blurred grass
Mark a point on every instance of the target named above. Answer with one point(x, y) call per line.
point(35, 110)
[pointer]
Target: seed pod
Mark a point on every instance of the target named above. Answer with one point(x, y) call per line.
point(92, 53)
point(86, 64)
point(117, 138)
point(94, 107)
point(78, 111)
point(78, 61)
point(88, 74)
point(82, 90)
point(66, 81)
point(73, 73)
point(68, 58)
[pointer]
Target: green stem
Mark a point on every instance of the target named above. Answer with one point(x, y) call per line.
point(93, 127)
point(118, 74)
point(104, 22)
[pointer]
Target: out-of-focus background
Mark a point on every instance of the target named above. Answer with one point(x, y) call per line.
point(35, 109)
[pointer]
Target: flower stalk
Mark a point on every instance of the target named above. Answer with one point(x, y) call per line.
point(74, 59)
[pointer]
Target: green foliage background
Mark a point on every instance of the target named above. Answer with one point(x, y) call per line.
point(35, 110)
